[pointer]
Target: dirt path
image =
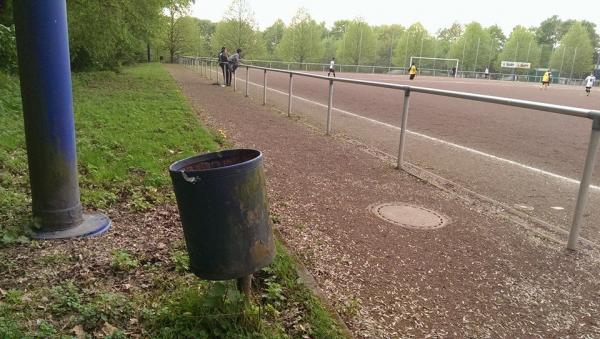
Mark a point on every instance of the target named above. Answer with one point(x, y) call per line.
point(479, 276)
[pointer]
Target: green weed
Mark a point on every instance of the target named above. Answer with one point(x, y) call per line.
point(123, 261)
point(181, 260)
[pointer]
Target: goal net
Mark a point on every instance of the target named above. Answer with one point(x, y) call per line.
point(435, 66)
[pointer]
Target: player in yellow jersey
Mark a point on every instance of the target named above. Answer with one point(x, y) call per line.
point(546, 79)
point(412, 71)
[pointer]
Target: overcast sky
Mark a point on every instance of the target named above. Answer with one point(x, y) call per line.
point(433, 14)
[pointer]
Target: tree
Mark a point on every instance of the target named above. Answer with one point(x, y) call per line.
point(358, 45)
point(451, 34)
point(386, 37)
point(238, 30)
point(6, 13)
point(521, 46)
point(498, 39)
point(575, 54)
point(191, 40)
point(547, 36)
point(415, 41)
point(339, 29)
point(118, 36)
point(175, 40)
point(207, 30)
point(446, 37)
point(301, 41)
point(273, 35)
point(473, 48)
point(8, 49)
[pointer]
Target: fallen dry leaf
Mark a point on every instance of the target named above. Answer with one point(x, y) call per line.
point(108, 329)
point(78, 331)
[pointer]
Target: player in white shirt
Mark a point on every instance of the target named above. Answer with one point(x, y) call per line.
point(332, 67)
point(589, 83)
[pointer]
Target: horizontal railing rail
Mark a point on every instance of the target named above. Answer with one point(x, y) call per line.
point(205, 66)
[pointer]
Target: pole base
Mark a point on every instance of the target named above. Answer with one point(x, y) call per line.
point(92, 225)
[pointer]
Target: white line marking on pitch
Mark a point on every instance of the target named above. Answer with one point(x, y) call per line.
point(447, 143)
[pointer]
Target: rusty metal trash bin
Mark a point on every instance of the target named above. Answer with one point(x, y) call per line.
point(224, 212)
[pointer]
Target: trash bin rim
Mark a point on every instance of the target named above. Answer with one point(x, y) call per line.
point(178, 166)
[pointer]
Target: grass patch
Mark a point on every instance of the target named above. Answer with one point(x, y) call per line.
point(130, 126)
point(283, 307)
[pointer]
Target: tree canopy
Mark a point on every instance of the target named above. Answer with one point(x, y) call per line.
point(301, 41)
point(238, 29)
point(358, 44)
point(137, 30)
point(575, 52)
point(521, 46)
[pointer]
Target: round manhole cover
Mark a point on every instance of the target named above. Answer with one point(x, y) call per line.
point(409, 216)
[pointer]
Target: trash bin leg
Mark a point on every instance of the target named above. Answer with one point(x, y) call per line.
point(244, 285)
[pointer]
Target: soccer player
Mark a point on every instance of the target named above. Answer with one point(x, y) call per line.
point(546, 80)
point(332, 67)
point(589, 83)
point(412, 71)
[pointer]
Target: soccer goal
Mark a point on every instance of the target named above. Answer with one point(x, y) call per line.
point(435, 66)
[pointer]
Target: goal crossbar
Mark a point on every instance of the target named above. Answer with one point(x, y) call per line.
point(443, 59)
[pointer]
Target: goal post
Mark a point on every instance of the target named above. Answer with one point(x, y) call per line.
point(433, 65)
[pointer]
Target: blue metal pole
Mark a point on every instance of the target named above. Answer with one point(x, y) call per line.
point(45, 73)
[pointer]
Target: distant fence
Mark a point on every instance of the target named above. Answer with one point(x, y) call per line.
point(320, 67)
point(206, 66)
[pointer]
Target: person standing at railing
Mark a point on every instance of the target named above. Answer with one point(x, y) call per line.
point(223, 62)
point(546, 80)
point(589, 83)
point(487, 73)
point(413, 71)
point(332, 67)
point(234, 62)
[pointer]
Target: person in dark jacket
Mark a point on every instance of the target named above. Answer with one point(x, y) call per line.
point(224, 63)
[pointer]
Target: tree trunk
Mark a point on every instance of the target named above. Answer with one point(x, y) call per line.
point(148, 51)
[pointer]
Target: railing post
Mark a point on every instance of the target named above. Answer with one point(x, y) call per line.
point(290, 95)
point(329, 103)
point(247, 78)
point(265, 88)
point(584, 186)
point(218, 69)
point(403, 128)
point(209, 65)
point(234, 81)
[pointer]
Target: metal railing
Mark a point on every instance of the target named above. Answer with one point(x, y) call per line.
point(205, 65)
